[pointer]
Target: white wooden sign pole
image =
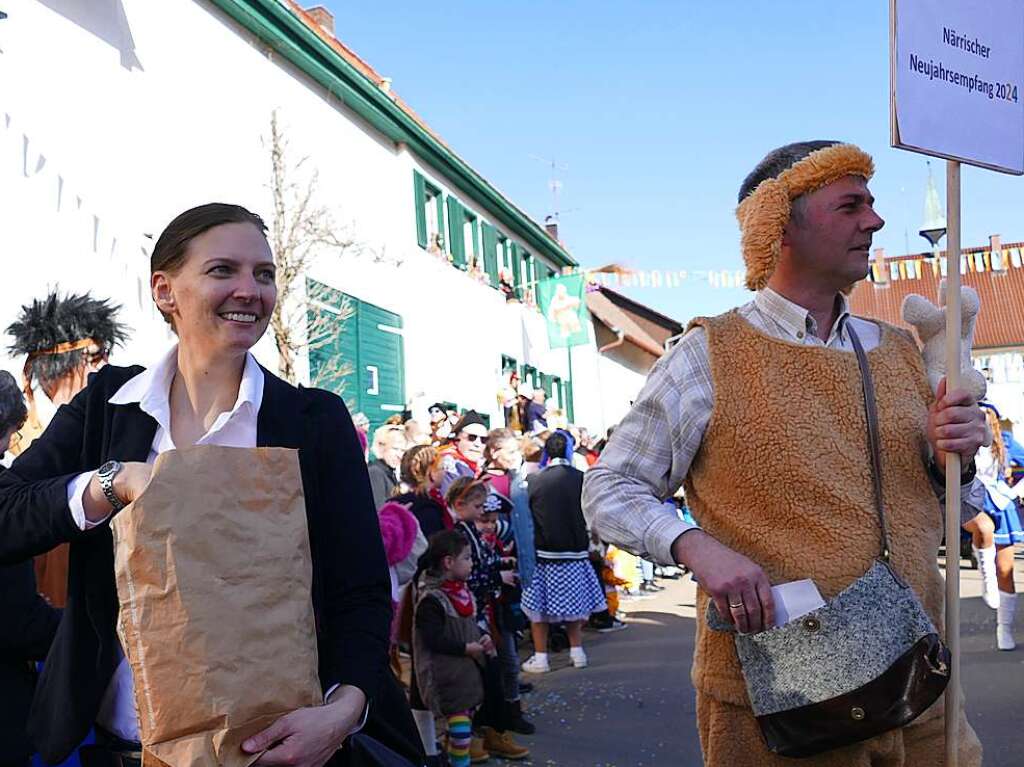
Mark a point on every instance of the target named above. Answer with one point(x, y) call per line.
point(953, 461)
point(963, 58)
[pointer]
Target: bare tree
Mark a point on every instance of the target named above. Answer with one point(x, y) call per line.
point(302, 231)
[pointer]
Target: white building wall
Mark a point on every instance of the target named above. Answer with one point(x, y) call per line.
point(109, 127)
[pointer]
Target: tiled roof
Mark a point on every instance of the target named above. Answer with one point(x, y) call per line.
point(1001, 320)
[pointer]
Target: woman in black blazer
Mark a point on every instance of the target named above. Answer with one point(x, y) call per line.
point(213, 279)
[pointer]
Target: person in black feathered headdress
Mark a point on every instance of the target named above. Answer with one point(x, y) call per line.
point(63, 341)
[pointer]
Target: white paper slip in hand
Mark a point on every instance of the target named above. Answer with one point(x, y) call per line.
point(795, 599)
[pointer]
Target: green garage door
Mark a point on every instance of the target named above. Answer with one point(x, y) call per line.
point(359, 356)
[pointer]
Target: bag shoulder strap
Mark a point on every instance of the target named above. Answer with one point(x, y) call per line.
point(874, 446)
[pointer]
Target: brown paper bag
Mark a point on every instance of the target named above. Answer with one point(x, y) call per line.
point(214, 581)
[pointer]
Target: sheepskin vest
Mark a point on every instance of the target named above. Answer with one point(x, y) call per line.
point(448, 684)
point(783, 474)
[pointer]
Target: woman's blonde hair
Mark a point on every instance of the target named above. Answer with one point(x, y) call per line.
point(998, 447)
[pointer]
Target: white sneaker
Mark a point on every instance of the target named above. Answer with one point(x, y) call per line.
point(579, 660)
point(535, 665)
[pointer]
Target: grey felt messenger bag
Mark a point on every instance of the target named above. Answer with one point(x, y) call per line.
point(867, 662)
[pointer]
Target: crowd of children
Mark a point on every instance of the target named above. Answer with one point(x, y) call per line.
point(488, 548)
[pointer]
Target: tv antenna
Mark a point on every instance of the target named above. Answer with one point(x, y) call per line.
point(554, 184)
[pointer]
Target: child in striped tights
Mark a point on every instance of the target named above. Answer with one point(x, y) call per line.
point(448, 646)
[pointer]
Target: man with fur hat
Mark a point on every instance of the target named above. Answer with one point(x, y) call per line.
point(760, 413)
point(63, 341)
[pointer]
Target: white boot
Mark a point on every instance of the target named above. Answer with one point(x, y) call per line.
point(987, 567)
point(1004, 621)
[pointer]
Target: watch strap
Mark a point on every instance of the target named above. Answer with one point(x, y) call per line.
point(106, 475)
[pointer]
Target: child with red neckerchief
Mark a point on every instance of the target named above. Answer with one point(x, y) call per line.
point(448, 646)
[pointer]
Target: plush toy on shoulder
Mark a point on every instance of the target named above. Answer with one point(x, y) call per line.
point(929, 321)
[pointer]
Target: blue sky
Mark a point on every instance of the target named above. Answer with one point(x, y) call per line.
point(659, 109)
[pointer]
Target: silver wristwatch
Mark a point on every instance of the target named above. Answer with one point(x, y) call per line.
point(105, 474)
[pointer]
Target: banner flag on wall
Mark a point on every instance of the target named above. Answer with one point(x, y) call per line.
point(563, 303)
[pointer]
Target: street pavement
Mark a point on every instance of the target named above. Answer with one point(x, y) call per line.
point(634, 705)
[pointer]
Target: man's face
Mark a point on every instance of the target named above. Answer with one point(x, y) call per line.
point(830, 240)
point(471, 441)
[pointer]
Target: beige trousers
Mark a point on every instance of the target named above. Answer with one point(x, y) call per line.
point(730, 737)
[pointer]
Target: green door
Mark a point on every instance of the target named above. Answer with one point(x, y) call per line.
point(360, 356)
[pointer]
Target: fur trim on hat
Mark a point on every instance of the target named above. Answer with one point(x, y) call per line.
point(764, 213)
point(398, 528)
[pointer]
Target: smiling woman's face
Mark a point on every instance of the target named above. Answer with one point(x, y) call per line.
point(222, 296)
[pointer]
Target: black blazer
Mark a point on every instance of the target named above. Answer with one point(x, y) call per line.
point(27, 627)
point(351, 586)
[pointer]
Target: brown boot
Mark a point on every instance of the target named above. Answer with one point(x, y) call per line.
point(477, 752)
point(501, 744)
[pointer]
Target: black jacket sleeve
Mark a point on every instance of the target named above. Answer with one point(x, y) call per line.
point(354, 585)
point(29, 623)
point(34, 513)
point(430, 626)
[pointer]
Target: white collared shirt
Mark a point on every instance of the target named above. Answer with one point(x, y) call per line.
point(234, 428)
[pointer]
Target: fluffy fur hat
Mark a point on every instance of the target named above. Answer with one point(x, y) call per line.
point(764, 212)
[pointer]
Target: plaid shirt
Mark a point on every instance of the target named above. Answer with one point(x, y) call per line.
point(650, 452)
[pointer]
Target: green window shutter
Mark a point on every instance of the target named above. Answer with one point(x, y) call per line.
point(545, 384)
point(420, 197)
point(517, 270)
point(490, 239)
point(438, 199)
point(456, 240)
point(474, 237)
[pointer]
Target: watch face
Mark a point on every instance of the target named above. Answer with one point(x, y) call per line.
point(110, 467)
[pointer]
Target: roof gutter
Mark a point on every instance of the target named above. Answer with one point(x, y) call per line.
point(614, 344)
point(276, 25)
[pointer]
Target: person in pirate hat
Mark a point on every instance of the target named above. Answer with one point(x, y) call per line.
point(760, 413)
point(63, 340)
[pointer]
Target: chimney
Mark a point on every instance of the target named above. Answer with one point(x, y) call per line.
point(323, 17)
point(551, 227)
point(996, 256)
point(883, 268)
